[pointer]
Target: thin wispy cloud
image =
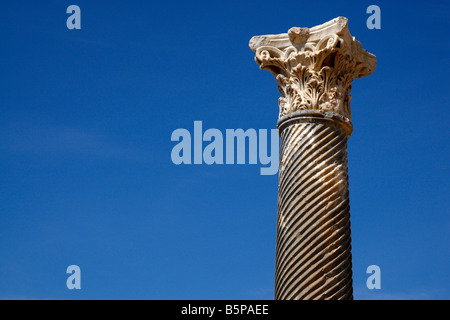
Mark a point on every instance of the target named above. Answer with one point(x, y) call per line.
point(26, 139)
point(263, 293)
point(362, 293)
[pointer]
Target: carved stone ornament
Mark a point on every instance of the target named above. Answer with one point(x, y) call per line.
point(314, 67)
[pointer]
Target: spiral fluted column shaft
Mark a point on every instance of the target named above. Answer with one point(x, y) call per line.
point(313, 252)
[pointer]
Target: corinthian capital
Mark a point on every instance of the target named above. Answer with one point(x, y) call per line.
point(314, 67)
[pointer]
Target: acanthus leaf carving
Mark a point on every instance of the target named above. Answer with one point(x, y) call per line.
point(315, 67)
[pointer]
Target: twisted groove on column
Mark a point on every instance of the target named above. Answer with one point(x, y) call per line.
point(313, 258)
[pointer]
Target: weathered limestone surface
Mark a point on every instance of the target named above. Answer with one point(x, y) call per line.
point(314, 68)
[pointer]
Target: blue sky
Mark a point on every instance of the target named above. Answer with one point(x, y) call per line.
point(87, 179)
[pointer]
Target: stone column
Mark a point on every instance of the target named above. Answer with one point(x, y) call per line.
point(314, 68)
